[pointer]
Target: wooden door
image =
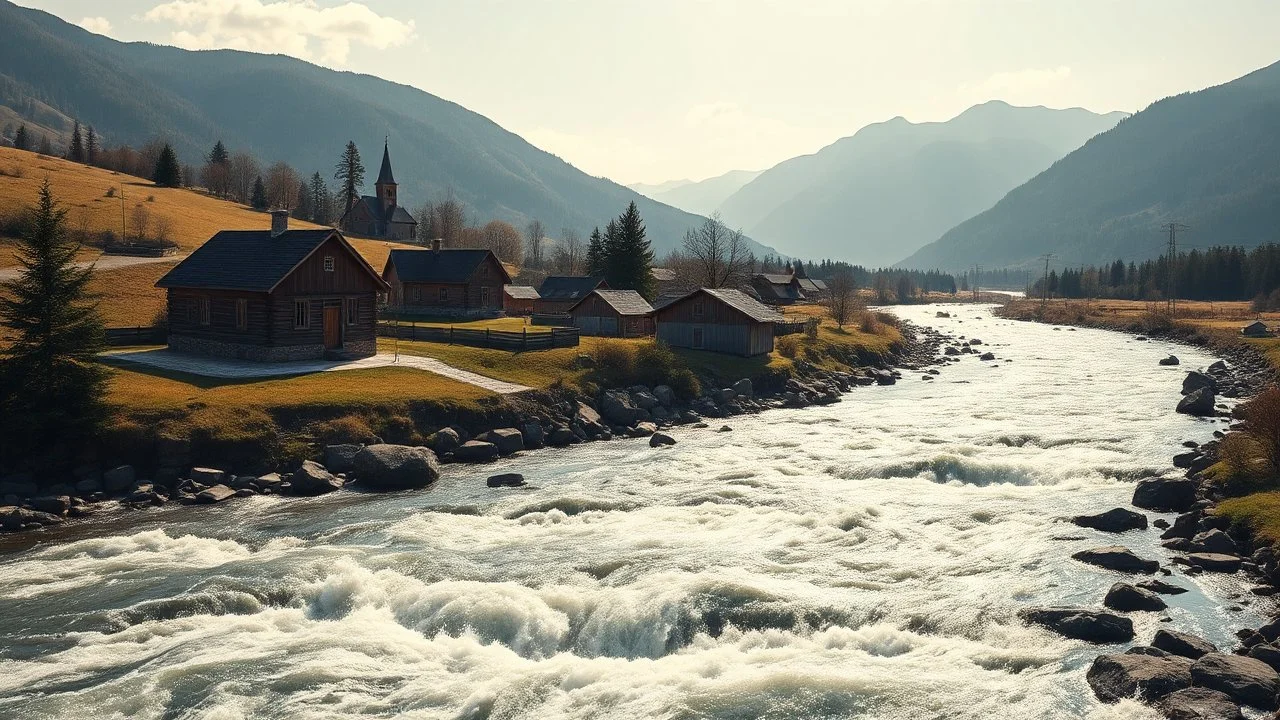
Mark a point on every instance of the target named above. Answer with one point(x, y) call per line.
point(332, 327)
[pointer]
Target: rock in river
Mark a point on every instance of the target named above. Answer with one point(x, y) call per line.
point(1116, 520)
point(1184, 644)
point(505, 480)
point(215, 494)
point(341, 458)
point(1161, 587)
point(1127, 598)
point(659, 439)
point(1165, 494)
point(1214, 541)
point(1171, 360)
point(475, 451)
point(1197, 703)
point(314, 479)
point(1081, 623)
point(1197, 402)
point(1244, 679)
point(1215, 562)
point(396, 467)
point(1196, 380)
point(1149, 677)
point(506, 440)
point(1116, 557)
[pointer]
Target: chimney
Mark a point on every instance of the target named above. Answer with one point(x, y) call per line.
point(435, 245)
point(279, 222)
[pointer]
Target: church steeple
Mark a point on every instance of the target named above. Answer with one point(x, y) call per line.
point(386, 183)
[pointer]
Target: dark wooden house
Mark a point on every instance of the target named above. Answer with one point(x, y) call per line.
point(719, 320)
point(613, 313)
point(380, 215)
point(558, 293)
point(518, 299)
point(777, 288)
point(451, 282)
point(273, 295)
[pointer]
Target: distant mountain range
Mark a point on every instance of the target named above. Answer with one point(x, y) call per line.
point(280, 108)
point(702, 197)
point(880, 194)
point(1208, 159)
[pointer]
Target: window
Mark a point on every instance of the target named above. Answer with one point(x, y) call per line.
point(417, 294)
point(328, 263)
point(206, 313)
point(353, 310)
point(444, 295)
point(484, 294)
point(697, 308)
point(242, 314)
point(301, 315)
point(484, 272)
point(697, 338)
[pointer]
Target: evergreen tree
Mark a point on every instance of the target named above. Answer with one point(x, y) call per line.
point(259, 198)
point(75, 153)
point(303, 208)
point(91, 146)
point(46, 147)
point(22, 140)
point(629, 259)
point(219, 155)
point(51, 387)
point(595, 254)
point(320, 210)
point(167, 173)
point(351, 172)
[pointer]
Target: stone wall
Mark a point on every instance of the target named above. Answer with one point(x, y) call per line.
point(236, 351)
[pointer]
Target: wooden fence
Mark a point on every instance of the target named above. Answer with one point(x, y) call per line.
point(787, 328)
point(497, 339)
point(137, 336)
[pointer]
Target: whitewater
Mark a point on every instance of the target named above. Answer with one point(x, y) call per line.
point(860, 560)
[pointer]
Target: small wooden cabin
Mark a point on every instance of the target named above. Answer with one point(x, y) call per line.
point(718, 320)
point(558, 293)
point(272, 295)
point(518, 299)
point(450, 281)
point(1256, 329)
point(777, 289)
point(613, 313)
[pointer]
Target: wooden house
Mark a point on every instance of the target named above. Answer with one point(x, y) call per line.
point(719, 320)
point(272, 295)
point(558, 293)
point(1256, 329)
point(777, 288)
point(518, 299)
point(380, 215)
point(451, 282)
point(613, 313)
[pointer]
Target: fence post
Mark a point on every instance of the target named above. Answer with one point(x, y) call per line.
point(450, 334)
point(486, 338)
point(524, 338)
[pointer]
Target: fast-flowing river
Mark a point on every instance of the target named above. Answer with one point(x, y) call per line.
point(864, 559)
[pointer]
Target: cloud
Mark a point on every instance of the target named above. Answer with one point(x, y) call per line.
point(299, 28)
point(99, 25)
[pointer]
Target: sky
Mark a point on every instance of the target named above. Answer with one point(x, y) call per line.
point(656, 90)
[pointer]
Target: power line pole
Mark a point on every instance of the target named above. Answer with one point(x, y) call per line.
point(977, 282)
point(1171, 269)
point(1044, 293)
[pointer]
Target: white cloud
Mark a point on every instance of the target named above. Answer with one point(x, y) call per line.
point(299, 28)
point(99, 25)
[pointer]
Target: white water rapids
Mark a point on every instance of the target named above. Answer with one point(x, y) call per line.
point(861, 560)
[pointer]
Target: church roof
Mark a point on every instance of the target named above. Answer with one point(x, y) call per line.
point(384, 174)
point(398, 213)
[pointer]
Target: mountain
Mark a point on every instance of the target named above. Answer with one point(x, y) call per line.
point(702, 197)
point(1209, 159)
point(281, 108)
point(888, 189)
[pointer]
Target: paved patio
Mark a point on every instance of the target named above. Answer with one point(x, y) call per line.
point(239, 369)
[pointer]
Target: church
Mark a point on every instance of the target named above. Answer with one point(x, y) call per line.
point(380, 215)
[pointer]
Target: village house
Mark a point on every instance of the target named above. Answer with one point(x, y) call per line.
point(719, 320)
point(558, 293)
point(812, 289)
point(451, 282)
point(777, 288)
point(518, 299)
point(273, 295)
point(380, 215)
point(613, 313)
point(1256, 329)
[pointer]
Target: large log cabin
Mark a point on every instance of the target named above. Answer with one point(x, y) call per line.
point(446, 281)
point(274, 295)
point(719, 320)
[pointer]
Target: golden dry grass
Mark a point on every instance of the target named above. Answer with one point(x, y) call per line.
point(507, 324)
point(128, 296)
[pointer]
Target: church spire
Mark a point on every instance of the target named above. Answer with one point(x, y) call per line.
point(384, 174)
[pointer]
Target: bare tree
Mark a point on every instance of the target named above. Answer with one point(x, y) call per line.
point(569, 255)
point(243, 169)
point(534, 233)
point(451, 218)
point(718, 256)
point(843, 295)
point(282, 186)
point(503, 239)
point(141, 220)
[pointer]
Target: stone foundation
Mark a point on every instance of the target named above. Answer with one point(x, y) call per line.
point(239, 351)
point(360, 348)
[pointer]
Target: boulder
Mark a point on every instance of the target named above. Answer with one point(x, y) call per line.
point(987, 356)
point(644, 400)
point(341, 458)
point(560, 436)
point(1081, 623)
point(506, 440)
point(119, 478)
point(1184, 644)
point(1116, 520)
point(659, 439)
point(1116, 557)
point(88, 486)
point(534, 437)
point(16, 518)
point(505, 480)
point(1161, 587)
point(270, 480)
point(1198, 403)
point(444, 440)
point(314, 479)
point(617, 408)
point(1165, 494)
point(1214, 541)
point(643, 429)
point(1196, 380)
point(52, 504)
point(743, 388)
point(397, 467)
point(1171, 360)
point(1267, 653)
point(1127, 598)
point(1197, 703)
point(20, 484)
point(1182, 461)
point(1217, 366)
point(1147, 677)
point(1215, 562)
point(214, 494)
point(207, 476)
point(475, 451)
point(1244, 679)
point(665, 395)
point(587, 414)
point(1184, 526)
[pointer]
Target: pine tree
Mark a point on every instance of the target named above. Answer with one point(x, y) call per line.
point(351, 172)
point(51, 387)
point(259, 198)
point(629, 262)
point(595, 254)
point(320, 211)
point(91, 146)
point(219, 155)
point(303, 208)
point(167, 173)
point(75, 153)
point(46, 147)
point(22, 140)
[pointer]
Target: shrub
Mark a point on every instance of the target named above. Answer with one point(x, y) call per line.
point(345, 429)
point(111, 192)
point(615, 360)
point(787, 345)
point(684, 383)
point(811, 329)
point(868, 323)
point(14, 223)
point(1261, 416)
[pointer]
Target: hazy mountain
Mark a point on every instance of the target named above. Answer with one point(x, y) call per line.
point(885, 191)
point(280, 108)
point(1210, 159)
point(702, 197)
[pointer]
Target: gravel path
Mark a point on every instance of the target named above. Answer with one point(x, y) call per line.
point(102, 262)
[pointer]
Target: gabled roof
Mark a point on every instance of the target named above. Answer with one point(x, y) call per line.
point(520, 292)
point(569, 287)
point(252, 260)
point(398, 213)
point(776, 278)
point(808, 285)
point(384, 174)
point(625, 302)
point(738, 300)
point(453, 266)
point(663, 274)
point(771, 290)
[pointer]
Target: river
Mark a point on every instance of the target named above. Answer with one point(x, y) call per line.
point(864, 559)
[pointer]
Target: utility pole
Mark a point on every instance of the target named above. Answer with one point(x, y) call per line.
point(977, 274)
point(1044, 284)
point(1171, 269)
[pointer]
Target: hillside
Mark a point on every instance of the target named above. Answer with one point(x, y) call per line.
point(280, 108)
point(702, 197)
point(1209, 159)
point(885, 191)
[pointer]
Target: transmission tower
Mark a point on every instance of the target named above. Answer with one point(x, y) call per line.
point(1044, 284)
point(1171, 271)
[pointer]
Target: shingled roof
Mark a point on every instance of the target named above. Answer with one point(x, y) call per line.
point(738, 300)
point(251, 260)
point(625, 302)
point(440, 266)
point(569, 287)
point(520, 292)
point(384, 174)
